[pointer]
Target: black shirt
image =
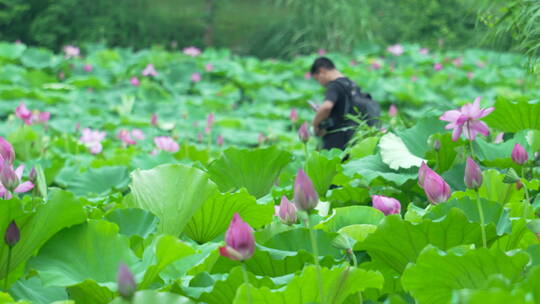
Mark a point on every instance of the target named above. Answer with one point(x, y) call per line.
point(335, 93)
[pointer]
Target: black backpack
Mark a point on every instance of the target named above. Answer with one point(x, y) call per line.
point(359, 104)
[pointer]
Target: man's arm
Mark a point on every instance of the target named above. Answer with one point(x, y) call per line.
point(322, 113)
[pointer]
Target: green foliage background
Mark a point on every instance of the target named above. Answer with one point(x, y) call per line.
point(264, 28)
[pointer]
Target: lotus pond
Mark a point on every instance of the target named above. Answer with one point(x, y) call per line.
point(179, 177)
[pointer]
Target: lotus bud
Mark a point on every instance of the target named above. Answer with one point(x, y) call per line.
point(287, 211)
point(239, 240)
point(305, 196)
point(424, 169)
point(519, 155)
point(437, 145)
point(436, 189)
point(135, 81)
point(154, 120)
point(13, 234)
point(7, 153)
point(294, 115)
point(220, 140)
point(387, 205)
point(392, 111)
point(8, 177)
point(126, 282)
point(303, 132)
point(473, 174)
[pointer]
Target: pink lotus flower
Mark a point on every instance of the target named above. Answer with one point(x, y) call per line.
point(154, 120)
point(438, 66)
point(376, 65)
point(396, 49)
point(166, 143)
point(92, 139)
point(61, 75)
point(191, 51)
point(436, 189)
point(424, 51)
point(293, 116)
point(305, 196)
point(7, 153)
point(392, 111)
point(200, 137)
point(473, 175)
point(135, 81)
point(303, 132)
point(125, 137)
point(195, 77)
point(499, 138)
point(137, 134)
point(88, 68)
point(481, 64)
point(519, 154)
point(470, 75)
point(414, 78)
point(353, 62)
point(71, 51)
point(466, 120)
point(209, 122)
point(10, 181)
point(307, 75)
point(387, 205)
point(24, 113)
point(220, 140)
point(126, 283)
point(42, 117)
point(150, 70)
point(209, 67)
point(287, 211)
point(321, 52)
point(12, 235)
point(239, 240)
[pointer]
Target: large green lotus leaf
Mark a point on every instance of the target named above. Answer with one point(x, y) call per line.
point(398, 242)
point(352, 215)
point(91, 251)
point(32, 290)
point(395, 153)
point(416, 138)
point(299, 239)
point(491, 296)
point(348, 195)
point(133, 221)
point(90, 292)
point(265, 262)
point(494, 189)
point(97, 182)
point(173, 193)
point(38, 226)
point(37, 58)
point(153, 296)
point(520, 237)
point(338, 283)
point(11, 51)
point(256, 170)
point(214, 217)
point(514, 116)
point(372, 167)
point(321, 171)
point(436, 274)
point(364, 148)
point(82, 82)
point(164, 251)
point(223, 290)
point(494, 213)
point(148, 161)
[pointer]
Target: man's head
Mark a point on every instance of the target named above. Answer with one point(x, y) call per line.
point(323, 70)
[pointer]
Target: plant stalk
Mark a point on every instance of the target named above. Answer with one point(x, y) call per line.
point(246, 280)
point(316, 254)
point(482, 221)
point(7, 269)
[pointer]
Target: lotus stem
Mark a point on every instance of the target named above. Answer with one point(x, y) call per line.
point(316, 254)
point(246, 280)
point(482, 223)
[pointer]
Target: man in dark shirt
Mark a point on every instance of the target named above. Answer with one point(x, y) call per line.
point(334, 106)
